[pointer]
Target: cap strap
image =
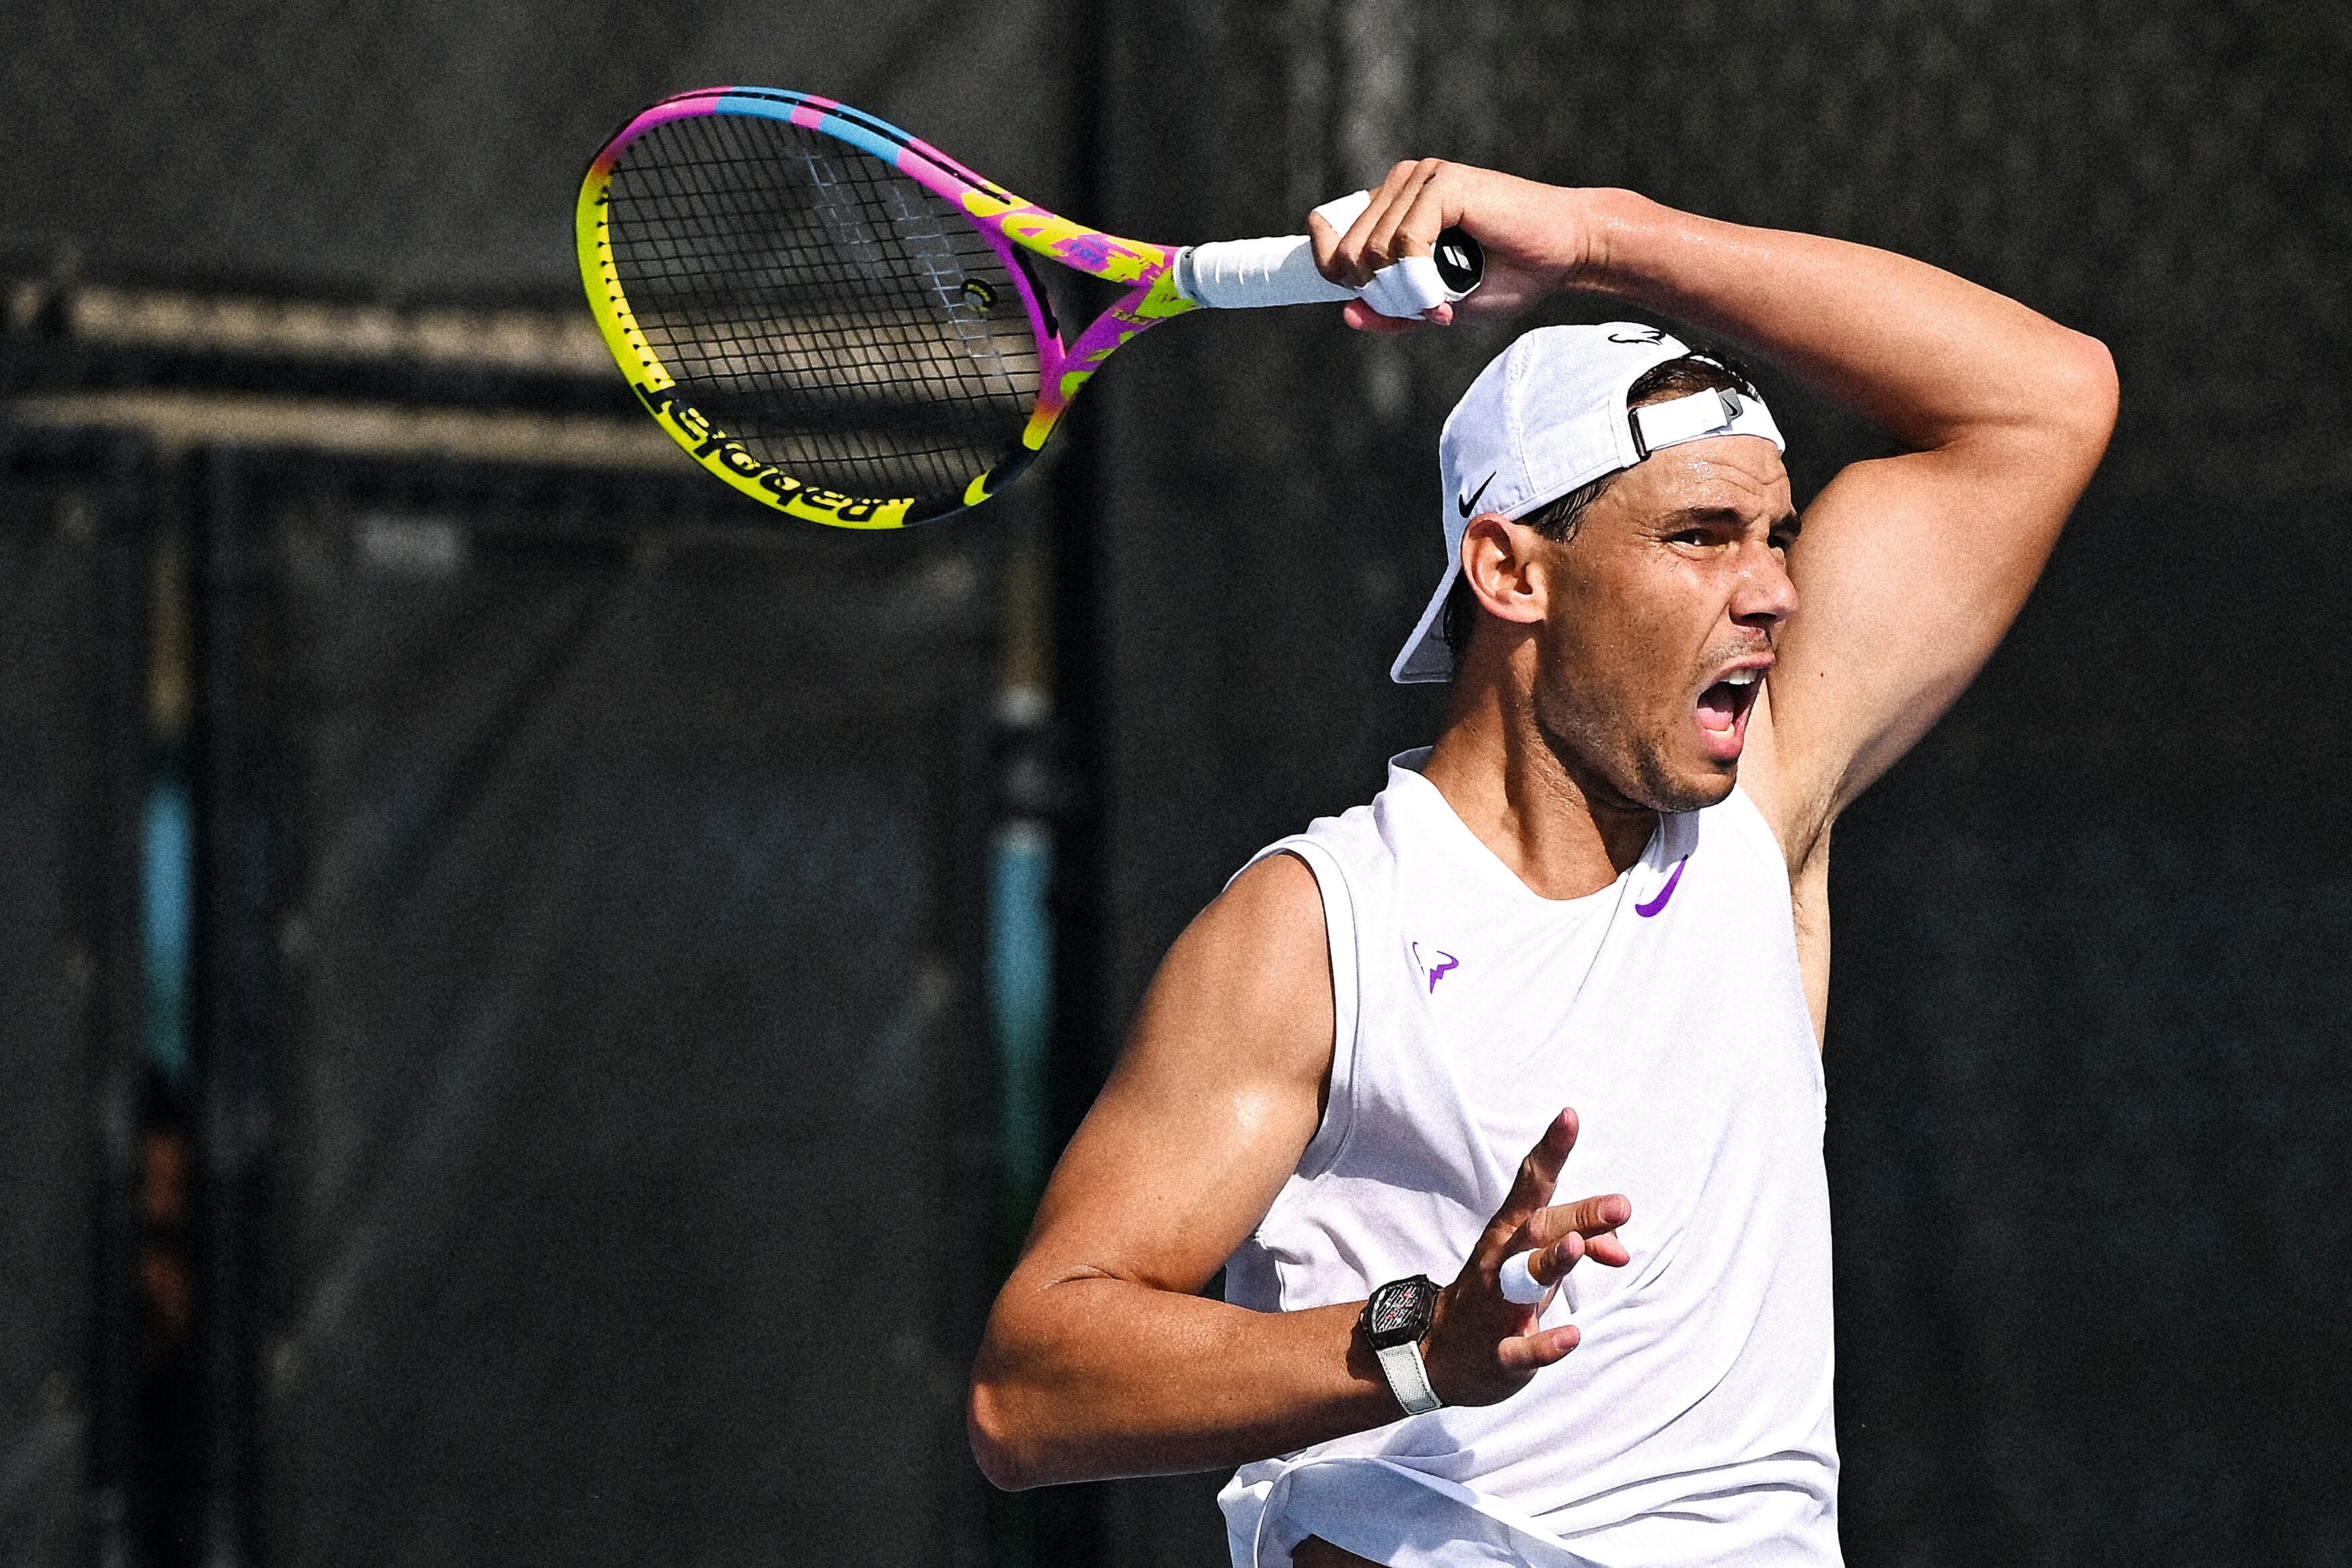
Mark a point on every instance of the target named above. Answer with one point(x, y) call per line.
point(1699, 416)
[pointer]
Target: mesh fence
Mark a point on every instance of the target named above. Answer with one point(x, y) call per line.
point(2085, 933)
point(623, 924)
point(431, 148)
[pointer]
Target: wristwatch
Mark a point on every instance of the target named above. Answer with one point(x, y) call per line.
point(1395, 1321)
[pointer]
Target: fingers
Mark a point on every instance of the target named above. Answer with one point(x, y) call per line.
point(1404, 214)
point(1325, 239)
point(1364, 319)
point(1403, 219)
point(1587, 1217)
point(1550, 1264)
point(1557, 1238)
point(1525, 1353)
point(1538, 238)
point(1531, 1189)
point(1586, 1228)
point(1486, 1342)
point(1528, 1219)
point(1607, 1249)
point(1343, 259)
point(1383, 223)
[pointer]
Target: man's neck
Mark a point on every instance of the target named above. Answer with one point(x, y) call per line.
point(1561, 831)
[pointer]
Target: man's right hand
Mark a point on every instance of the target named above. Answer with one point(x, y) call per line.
point(1482, 1347)
point(1537, 237)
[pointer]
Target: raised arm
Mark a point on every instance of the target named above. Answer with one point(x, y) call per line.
point(1100, 1360)
point(1909, 568)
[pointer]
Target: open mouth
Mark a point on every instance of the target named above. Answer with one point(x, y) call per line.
point(1723, 709)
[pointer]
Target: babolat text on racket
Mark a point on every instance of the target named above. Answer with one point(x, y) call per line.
point(846, 324)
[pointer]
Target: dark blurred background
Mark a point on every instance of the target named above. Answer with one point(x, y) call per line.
point(509, 950)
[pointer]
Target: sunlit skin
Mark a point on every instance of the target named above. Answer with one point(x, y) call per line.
point(1592, 697)
point(1602, 646)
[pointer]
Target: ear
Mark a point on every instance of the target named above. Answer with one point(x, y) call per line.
point(1499, 563)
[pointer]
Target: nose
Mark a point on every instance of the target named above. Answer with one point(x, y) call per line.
point(1765, 595)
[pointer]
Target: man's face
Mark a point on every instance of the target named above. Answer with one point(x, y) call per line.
point(1660, 619)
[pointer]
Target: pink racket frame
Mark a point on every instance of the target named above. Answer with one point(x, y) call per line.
point(1006, 221)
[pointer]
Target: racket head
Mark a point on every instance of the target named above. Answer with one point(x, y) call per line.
point(831, 316)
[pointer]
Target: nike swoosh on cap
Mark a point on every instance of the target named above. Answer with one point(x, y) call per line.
point(1472, 501)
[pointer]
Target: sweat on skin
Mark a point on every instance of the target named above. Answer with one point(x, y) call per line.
point(1617, 686)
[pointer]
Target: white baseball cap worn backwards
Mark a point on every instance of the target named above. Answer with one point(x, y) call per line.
point(1548, 414)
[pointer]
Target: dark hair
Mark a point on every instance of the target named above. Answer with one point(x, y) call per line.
point(1700, 370)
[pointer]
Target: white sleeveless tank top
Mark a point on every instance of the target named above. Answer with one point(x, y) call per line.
point(1691, 1425)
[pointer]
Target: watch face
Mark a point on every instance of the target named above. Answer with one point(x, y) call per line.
point(1399, 1312)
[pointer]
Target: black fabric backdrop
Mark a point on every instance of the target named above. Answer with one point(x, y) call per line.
point(2086, 1055)
point(69, 745)
point(50, 792)
point(630, 1201)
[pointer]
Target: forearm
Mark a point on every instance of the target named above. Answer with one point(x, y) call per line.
point(1090, 1377)
point(1931, 357)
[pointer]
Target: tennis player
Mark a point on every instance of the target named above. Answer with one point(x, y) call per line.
point(1463, 1323)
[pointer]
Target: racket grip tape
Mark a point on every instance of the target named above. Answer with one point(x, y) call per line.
point(1248, 274)
point(1245, 274)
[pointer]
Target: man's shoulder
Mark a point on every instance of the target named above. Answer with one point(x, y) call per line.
point(1345, 843)
point(1262, 935)
point(1278, 889)
point(1244, 993)
point(1292, 899)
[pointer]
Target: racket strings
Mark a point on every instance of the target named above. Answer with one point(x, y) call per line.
point(740, 267)
point(839, 320)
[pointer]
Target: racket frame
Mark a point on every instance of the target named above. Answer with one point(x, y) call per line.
point(1010, 225)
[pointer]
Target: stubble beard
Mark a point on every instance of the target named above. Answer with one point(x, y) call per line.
point(1605, 751)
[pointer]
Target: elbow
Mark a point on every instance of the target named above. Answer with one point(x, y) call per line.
point(996, 1439)
point(2089, 393)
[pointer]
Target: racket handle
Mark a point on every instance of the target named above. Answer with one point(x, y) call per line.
point(1246, 274)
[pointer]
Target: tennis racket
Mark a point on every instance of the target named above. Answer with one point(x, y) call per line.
point(849, 326)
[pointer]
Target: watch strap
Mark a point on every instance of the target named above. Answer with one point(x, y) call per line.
point(1408, 1379)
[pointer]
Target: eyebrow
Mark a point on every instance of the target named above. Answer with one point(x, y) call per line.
point(1728, 514)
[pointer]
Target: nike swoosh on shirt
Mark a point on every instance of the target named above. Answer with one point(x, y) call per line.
point(1465, 504)
point(1655, 905)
